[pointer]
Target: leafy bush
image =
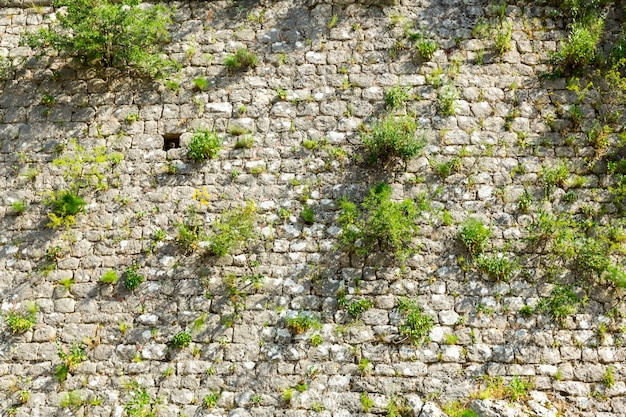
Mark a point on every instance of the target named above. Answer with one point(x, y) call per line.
point(474, 235)
point(64, 206)
point(70, 358)
point(396, 96)
point(448, 95)
point(561, 303)
point(426, 48)
point(554, 175)
point(109, 33)
point(241, 60)
point(308, 215)
point(140, 404)
point(380, 224)
point(189, 236)
point(181, 339)
point(502, 40)
point(353, 308)
point(417, 325)
point(133, 280)
point(234, 229)
point(497, 267)
point(20, 321)
point(19, 206)
point(580, 47)
point(109, 277)
point(301, 323)
point(593, 256)
point(210, 400)
point(392, 137)
point(205, 144)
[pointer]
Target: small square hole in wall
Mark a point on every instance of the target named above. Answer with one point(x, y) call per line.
point(171, 141)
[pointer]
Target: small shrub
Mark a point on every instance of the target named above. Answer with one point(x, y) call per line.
point(109, 277)
point(554, 175)
point(392, 138)
point(474, 235)
point(233, 230)
point(70, 358)
point(502, 40)
point(366, 402)
point(380, 224)
point(316, 340)
point(210, 400)
point(245, 142)
point(301, 323)
point(592, 256)
point(181, 339)
point(201, 83)
point(287, 395)
point(616, 276)
point(526, 311)
point(609, 378)
point(426, 48)
point(108, 33)
point(308, 215)
point(448, 95)
point(396, 97)
point(189, 236)
point(241, 60)
point(561, 303)
point(18, 207)
point(524, 201)
point(139, 403)
point(518, 388)
point(353, 308)
point(497, 267)
point(66, 203)
point(580, 47)
point(132, 279)
point(417, 325)
point(19, 321)
point(364, 365)
point(204, 145)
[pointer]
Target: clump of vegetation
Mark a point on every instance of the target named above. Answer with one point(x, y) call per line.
point(109, 34)
point(21, 321)
point(392, 138)
point(210, 400)
point(474, 235)
point(354, 308)
point(64, 205)
point(498, 267)
point(241, 60)
point(233, 230)
point(308, 215)
point(109, 277)
point(205, 144)
point(132, 279)
point(181, 339)
point(417, 325)
point(561, 303)
point(18, 207)
point(301, 323)
point(580, 47)
point(426, 47)
point(70, 358)
point(448, 95)
point(396, 97)
point(140, 403)
point(495, 388)
point(380, 224)
point(502, 40)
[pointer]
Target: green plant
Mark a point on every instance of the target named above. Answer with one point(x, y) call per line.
point(353, 308)
point(379, 225)
point(256, 399)
point(308, 215)
point(333, 21)
point(242, 59)
point(445, 169)
point(474, 235)
point(245, 142)
point(580, 47)
point(502, 39)
point(458, 409)
point(132, 118)
point(316, 340)
point(201, 83)
point(524, 201)
point(72, 399)
point(450, 339)
point(592, 256)
point(364, 365)
point(47, 100)
point(416, 325)
point(448, 95)
point(19, 206)
point(233, 230)
point(526, 311)
point(20, 321)
point(426, 48)
point(109, 277)
point(519, 388)
point(561, 303)
point(498, 267)
point(287, 395)
point(396, 97)
point(64, 205)
point(554, 175)
point(392, 138)
point(398, 407)
point(132, 279)
point(366, 402)
point(140, 403)
point(301, 323)
point(318, 407)
point(609, 378)
point(110, 34)
point(210, 400)
point(181, 339)
point(205, 144)
point(70, 358)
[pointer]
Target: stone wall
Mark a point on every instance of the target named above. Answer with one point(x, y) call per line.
point(334, 77)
